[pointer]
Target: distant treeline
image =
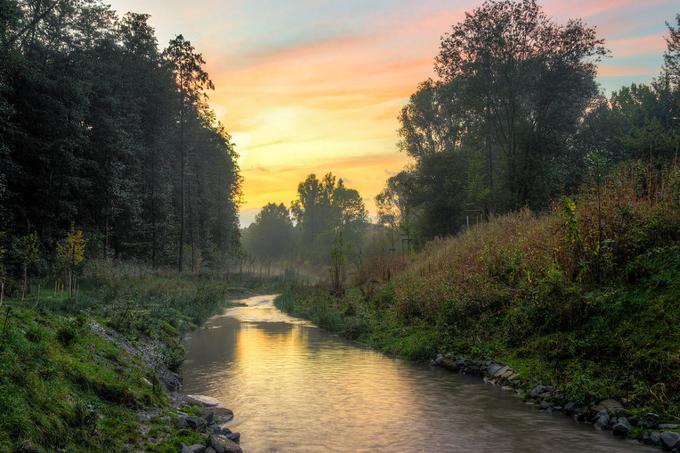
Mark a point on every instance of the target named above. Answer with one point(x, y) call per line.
point(516, 119)
point(100, 130)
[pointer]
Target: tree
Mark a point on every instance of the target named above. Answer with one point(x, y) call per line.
point(671, 67)
point(27, 251)
point(71, 252)
point(325, 211)
point(191, 81)
point(526, 82)
point(271, 236)
point(395, 208)
point(3, 269)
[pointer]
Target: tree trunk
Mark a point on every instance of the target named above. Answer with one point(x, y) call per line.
point(153, 208)
point(180, 254)
point(25, 282)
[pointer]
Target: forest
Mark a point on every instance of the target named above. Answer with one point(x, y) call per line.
point(494, 133)
point(536, 226)
point(103, 132)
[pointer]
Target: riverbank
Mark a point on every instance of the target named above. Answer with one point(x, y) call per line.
point(96, 371)
point(610, 394)
point(582, 298)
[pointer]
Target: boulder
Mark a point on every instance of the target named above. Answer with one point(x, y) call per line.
point(668, 426)
point(570, 407)
point(544, 405)
point(655, 437)
point(602, 419)
point(202, 400)
point(513, 377)
point(181, 422)
point(234, 437)
point(670, 439)
point(223, 445)
point(448, 363)
point(196, 448)
point(650, 421)
point(610, 405)
point(536, 391)
point(196, 423)
point(210, 450)
point(621, 427)
point(223, 430)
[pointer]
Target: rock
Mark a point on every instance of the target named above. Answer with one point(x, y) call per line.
point(181, 422)
point(580, 415)
point(202, 400)
point(621, 427)
point(196, 448)
point(507, 373)
point(570, 407)
point(655, 437)
point(602, 419)
point(196, 423)
point(234, 437)
point(493, 369)
point(668, 426)
point(218, 414)
point(670, 439)
point(210, 450)
point(224, 431)
point(544, 405)
point(556, 408)
point(223, 445)
point(450, 364)
point(536, 391)
point(611, 406)
point(650, 421)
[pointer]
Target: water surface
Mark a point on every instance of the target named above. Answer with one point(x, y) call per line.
point(297, 388)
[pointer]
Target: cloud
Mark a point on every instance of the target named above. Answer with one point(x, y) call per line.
point(308, 86)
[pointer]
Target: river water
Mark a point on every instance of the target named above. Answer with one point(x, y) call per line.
point(297, 388)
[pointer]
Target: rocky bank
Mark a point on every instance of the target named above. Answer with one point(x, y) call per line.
point(607, 415)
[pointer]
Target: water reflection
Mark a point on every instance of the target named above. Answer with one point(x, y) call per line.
point(295, 387)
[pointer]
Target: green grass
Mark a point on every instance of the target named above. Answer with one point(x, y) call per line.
point(626, 345)
point(64, 387)
point(581, 297)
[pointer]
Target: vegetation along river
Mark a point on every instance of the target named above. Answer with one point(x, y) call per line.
point(295, 387)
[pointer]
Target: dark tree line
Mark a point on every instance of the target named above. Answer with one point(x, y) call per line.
point(330, 228)
point(102, 130)
point(516, 119)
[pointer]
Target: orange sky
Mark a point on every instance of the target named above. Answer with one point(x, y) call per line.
point(310, 86)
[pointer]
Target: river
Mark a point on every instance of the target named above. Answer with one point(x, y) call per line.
point(297, 388)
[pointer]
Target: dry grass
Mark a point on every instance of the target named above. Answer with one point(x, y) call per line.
point(583, 240)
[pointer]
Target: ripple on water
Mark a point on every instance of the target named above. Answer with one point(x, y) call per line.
point(294, 387)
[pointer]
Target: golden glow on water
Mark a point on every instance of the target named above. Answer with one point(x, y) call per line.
point(294, 387)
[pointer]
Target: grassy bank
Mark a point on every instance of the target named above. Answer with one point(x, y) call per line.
point(584, 297)
point(62, 386)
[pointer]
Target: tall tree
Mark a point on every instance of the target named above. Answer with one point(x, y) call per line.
point(271, 236)
point(527, 81)
point(192, 82)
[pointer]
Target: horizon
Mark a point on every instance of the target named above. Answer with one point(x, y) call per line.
point(361, 63)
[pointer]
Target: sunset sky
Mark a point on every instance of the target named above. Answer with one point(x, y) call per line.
point(309, 86)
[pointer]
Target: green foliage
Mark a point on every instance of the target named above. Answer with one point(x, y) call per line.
point(522, 289)
point(64, 387)
point(88, 132)
point(271, 237)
